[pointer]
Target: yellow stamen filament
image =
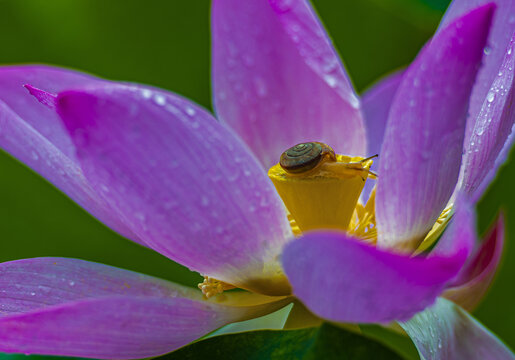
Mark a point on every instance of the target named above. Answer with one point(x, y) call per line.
point(363, 224)
point(443, 215)
point(211, 287)
point(294, 227)
point(437, 230)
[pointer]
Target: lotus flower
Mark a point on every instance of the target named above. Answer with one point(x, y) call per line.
point(163, 172)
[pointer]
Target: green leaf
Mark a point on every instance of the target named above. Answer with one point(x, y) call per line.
point(324, 342)
point(401, 343)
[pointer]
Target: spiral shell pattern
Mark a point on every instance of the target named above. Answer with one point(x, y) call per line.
point(304, 156)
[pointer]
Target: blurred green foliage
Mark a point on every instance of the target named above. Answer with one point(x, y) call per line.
point(166, 43)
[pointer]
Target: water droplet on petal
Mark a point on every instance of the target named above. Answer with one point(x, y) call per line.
point(248, 60)
point(190, 111)
point(261, 88)
point(160, 99)
point(146, 93)
point(490, 96)
point(330, 80)
point(205, 201)
point(140, 216)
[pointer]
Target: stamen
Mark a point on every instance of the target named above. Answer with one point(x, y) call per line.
point(369, 158)
point(437, 230)
point(363, 224)
point(293, 224)
point(211, 287)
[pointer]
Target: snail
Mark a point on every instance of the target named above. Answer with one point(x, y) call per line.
point(305, 156)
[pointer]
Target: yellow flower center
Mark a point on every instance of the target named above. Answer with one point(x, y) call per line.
point(324, 196)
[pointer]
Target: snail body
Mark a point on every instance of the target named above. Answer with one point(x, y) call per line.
point(305, 156)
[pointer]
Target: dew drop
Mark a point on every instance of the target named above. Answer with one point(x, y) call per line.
point(190, 111)
point(33, 294)
point(487, 50)
point(490, 96)
point(330, 80)
point(248, 60)
point(71, 283)
point(146, 93)
point(160, 99)
point(284, 5)
point(354, 101)
point(261, 88)
point(330, 64)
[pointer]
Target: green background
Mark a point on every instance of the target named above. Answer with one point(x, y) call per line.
point(166, 43)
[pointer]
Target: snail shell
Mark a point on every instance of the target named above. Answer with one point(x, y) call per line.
point(305, 156)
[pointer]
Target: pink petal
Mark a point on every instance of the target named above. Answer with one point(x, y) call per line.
point(32, 284)
point(503, 26)
point(422, 148)
point(376, 106)
point(446, 332)
point(35, 135)
point(491, 130)
point(52, 80)
point(183, 182)
point(278, 81)
point(346, 280)
point(475, 279)
point(56, 306)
